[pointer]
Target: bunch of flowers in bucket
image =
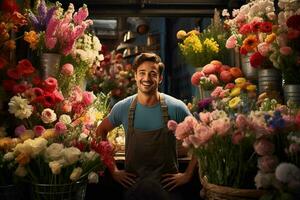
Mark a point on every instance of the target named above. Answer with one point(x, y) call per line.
point(252, 31)
point(199, 48)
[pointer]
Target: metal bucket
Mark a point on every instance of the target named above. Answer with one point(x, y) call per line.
point(50, 63)
point(269, 80)
point(292, 93)
point(9, 192)
point(249, 72)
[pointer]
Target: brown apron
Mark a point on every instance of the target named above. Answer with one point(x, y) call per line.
point(149, 154)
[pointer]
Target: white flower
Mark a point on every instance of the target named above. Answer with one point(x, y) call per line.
point(93, 177)
point(21, 171)
point(55, 167)
point(24, 147)
point(71, 155)
point(287, 172)
point(38, 145)
point(9, 156)
point(20, 107)
point(48, 116)
point(264, 180)
point(75, 175)
point(66, 119)
point(90, 156)
point(54, 152)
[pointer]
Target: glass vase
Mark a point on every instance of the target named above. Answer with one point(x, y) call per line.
point(50, 63)
point(70, 191)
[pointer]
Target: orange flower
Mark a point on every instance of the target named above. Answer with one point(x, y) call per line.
point(270, 38)
point(236, 72)
point(23, 158)
point(10, 44)
point(32, 38)
point(250, 43)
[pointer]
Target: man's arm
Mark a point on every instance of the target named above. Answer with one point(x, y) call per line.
point(104, 127)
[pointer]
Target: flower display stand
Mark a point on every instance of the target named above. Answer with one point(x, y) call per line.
point(71, 191)
point(217, 192)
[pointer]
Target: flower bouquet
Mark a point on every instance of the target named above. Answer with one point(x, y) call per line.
point(200, 48)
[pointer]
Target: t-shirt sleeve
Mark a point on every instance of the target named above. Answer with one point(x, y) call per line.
point(181, 111)
point(115, 115)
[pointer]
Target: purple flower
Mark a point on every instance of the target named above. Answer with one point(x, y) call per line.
point(20, 130)
point(204, 104)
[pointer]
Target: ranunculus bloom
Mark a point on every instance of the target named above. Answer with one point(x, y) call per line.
point(195, 79)
point(236, 72)
point(209, 69)
point(225, 76)
point(67, 69)
point(50, 84)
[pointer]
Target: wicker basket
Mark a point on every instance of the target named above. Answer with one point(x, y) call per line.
point(216, 192)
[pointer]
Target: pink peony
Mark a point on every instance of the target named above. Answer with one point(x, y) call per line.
point(231, 42)
point(172, 125)
point(38, 130)
point(264, 147)
point(88, 98)
point(202, 134)
point(67, 69)
point(205, 117)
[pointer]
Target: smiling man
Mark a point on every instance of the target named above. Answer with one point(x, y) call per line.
point(150, 148)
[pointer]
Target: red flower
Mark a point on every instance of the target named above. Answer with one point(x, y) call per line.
point(265, 27)
point(19, 88)
point(255, 25)
point(38, 91)
point(9, 6)
point(8, 85)
point(36, 80)
point(293, 22)
point(25, 67)
point(3, 62)
point(13, 73)
point(49, 100)
point(245, 29)
point(243, 50)
point(50, 84)
point(256, 59)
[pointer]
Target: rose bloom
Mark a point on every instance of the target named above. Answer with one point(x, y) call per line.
point(264, 147)
point(67, 69)
point(38, 130)
point(48, 116)
point(88, 98)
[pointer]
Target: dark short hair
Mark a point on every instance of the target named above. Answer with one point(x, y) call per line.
point(152, 57)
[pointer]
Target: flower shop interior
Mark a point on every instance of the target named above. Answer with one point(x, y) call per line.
point(234, 63)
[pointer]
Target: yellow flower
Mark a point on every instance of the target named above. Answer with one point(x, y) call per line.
point(211, 44)
point(28, 134)
point(270, 38)
point(23, 158)
point(240, 80)
point(181, 35)
point(32, 38)
point(192, 42)
point(235, 92)
point(251, 88)
point(233, 103)
point(49, 133)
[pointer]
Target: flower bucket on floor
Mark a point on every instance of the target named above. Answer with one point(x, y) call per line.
point(71, 191)
point(216, 192)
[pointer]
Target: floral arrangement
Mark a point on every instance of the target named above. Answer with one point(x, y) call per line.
point(199, 49)
point(114, 76)
point(58, 31)
point(215, 74)
point(284, 51)
point(252, 31)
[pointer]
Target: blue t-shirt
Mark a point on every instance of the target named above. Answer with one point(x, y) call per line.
point(147, 118)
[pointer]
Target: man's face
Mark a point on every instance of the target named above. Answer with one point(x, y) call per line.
point(147, 77)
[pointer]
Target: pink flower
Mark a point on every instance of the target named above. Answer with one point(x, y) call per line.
point(60, 128)
point(209, 69)
point(231, 42)
point(226, 76)
point(172, 125)
point(221, 126)
point(264, 147)
point(237, 137)
point(245, 29)
point(267, 163)
point(202, 135)
point(263, 48)
point(216, 92)
point(294, 148)
point(195, 79)
point(182, 131)
point(88, 98)
point(205, 117)
point(286, 50)
point(241, 122)
point(213, 78)
point(66, 106)
point(19, 130)
point(38, 130)
point(67, 69)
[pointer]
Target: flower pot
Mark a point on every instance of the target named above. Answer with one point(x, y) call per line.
point(9, 192)
point(213, 192)
point(291, 93)
point(269, 80)
point(249, 72)
point(70, 191)
point(50, 63)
